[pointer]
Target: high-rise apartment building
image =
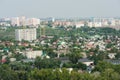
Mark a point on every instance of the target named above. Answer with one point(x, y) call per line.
point(25, 34)
point(23, 21)
point(15, 21)
point(32, 22)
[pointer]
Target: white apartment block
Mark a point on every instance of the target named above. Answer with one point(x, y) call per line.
point(25, 34)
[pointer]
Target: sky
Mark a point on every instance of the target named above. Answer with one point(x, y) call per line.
point(60, 8)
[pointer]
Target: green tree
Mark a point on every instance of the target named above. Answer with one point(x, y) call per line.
point(7, 73)
point(81, 66)
point(47, 63)
point(101, 66)
point(110, 74)
point(75, 55)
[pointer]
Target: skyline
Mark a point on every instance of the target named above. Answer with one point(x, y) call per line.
point(61, 8)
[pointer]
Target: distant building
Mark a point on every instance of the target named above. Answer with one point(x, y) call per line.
point(90, 24)
point(33, 54)
point(23, 21)
point(79, 24)
point(51, 19)
point(97, 24)
point(15, 21)
point(94, 24)
point(25, 34)
point(105, 23)
point(32, 22)
point(18, 21)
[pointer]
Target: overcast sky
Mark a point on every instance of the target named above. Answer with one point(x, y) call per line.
point(60, 8)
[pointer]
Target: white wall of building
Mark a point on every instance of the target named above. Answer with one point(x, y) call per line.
point(78, 25)
point(22, 21)
point(97, 24)
point(33, 54)
point(90, 24)
point(15, 21)
point(25, 34)
point(32, 22)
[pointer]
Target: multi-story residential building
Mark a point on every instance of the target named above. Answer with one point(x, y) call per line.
point(25, 34)
point(32, 22)
point(97, 24)
point(105, 23)
point(33, 54)
point(90, 24)
point(15, 21)
point(94, 24)
point(79, 24)
point(5, 22)
point(4, 19)
point(22, 21)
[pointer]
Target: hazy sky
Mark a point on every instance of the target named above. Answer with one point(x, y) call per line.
point(60, 8)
